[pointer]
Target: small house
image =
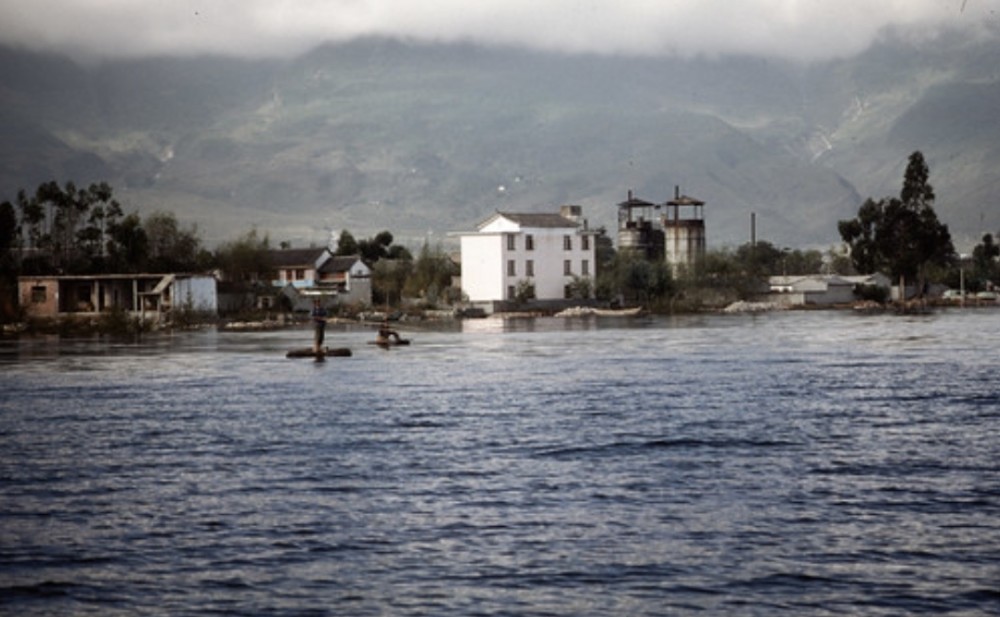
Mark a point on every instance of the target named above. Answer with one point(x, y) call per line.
point(820, 289)
point(149, 296)
point(305, 274)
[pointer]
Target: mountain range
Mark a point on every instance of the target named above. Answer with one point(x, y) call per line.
point(426, 139)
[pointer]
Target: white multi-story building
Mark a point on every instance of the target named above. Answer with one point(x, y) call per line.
point(548, 251)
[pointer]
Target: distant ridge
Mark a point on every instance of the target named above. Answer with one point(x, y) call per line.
point(424, 139)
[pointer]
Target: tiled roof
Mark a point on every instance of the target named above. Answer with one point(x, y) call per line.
point(339, 263)
point(286, 258)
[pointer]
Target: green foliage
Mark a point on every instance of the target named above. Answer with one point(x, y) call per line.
point(763, 259)
point(581, 287)
point(431, 275)
point(635, 279)
point(725, 274)
point(170, 248)
point(524, 292)
point(245, 259)
point(372, 249)
point(128, 250)
point(900, 235)
point(70, 230)
point(388, 280)
point(840, 262)
point(8, 237)
point(346, 244)
point(985, 267)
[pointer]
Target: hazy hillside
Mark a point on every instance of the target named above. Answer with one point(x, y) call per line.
point(416, 139)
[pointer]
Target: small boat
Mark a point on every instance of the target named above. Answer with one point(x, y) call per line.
point(623, 312)
point(309, 352)
point(587, 311)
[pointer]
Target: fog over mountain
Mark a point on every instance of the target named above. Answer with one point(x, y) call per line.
point(426, 137)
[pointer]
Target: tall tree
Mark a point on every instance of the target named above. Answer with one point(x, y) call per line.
point(8, 228)
point(128, 247)
point(900, 234)
point(105, 213)
point(171, 248)
point(346, 244)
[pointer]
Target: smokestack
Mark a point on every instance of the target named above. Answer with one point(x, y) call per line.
point(753, 229)
point(630, 194)
point(677, 191)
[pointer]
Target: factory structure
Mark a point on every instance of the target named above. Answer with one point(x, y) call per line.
point(674, 231)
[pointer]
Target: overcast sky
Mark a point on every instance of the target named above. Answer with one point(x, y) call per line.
point(803, 29)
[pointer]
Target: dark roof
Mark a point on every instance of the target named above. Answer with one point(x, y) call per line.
point(339, 263)
point(286, 258)
point(539, 219)
point(635, 202)
point(684, 200)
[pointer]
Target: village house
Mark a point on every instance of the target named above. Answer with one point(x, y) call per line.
point(147, 296)
point(305, 274)
point(549, 251)
point(821, 289)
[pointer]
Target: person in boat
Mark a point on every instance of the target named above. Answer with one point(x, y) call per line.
point(319, 315)
point(386, 334)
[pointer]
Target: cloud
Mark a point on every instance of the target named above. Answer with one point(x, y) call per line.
point(798, 29)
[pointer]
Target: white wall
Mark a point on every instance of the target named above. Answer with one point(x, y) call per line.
point(483, 266)
point(549, 255)
point(485, 256)
point(197, 293)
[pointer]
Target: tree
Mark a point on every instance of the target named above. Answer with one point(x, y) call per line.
point(431, 274)
point(635, 278)
point(581, 287)
point(8, 229)
point(245, 259)
point(985, 269)
point(759, 259)
point(900, 234)
point(128, 246)
point(374, 249)
point(105, 212)
point(65, 228)
point(524, 292)
point(388, 279)
point(171, 248)
point(346, 244)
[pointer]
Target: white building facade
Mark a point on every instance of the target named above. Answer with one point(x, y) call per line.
point(547, 251)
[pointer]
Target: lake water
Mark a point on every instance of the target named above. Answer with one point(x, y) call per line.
point(799, 463)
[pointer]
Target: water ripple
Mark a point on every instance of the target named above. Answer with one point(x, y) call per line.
point(796, 463)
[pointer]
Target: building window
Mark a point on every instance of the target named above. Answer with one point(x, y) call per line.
point(568, 243)
point(529, 242)
point(529, 268)
point(511, 268)
point(568, 292)
point(568, 267)
point(585, 243)
point(38, 294)
point(585, 267)
point(511, 242)
point(511, 292)
point(300, 274)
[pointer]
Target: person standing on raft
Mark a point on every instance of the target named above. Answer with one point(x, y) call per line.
point(319, 315)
